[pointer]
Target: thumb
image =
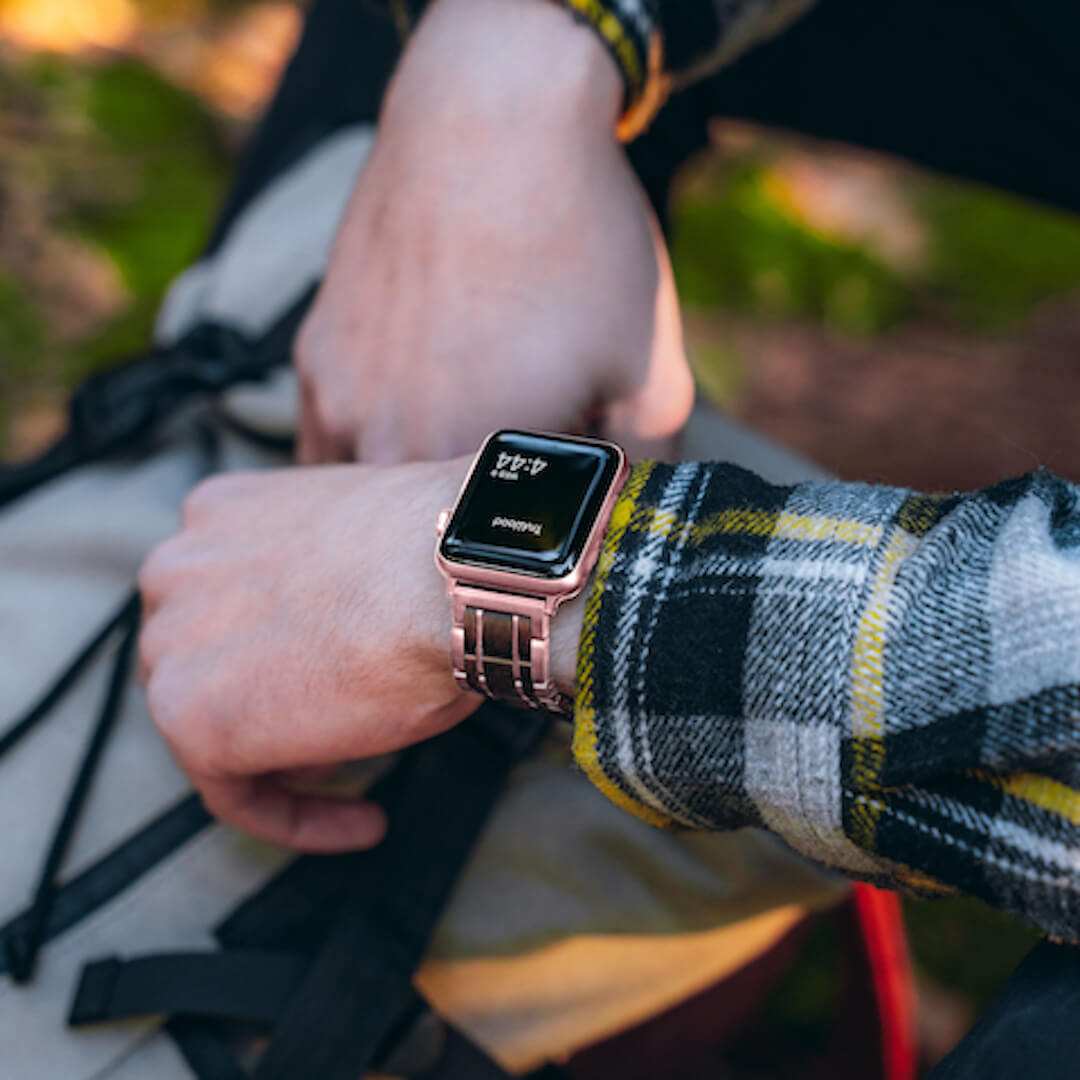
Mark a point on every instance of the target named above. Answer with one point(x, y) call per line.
point(647, 421)
point(316, 824)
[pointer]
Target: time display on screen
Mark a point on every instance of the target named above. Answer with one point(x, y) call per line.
point(530, 503)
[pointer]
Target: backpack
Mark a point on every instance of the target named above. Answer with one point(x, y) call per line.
point(511, 916)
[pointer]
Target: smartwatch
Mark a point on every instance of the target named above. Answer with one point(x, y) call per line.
point(523, 537)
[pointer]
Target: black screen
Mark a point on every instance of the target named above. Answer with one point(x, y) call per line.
point(530, 503)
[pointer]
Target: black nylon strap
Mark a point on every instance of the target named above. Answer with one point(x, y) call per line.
point(202, 993)
point(116, 409)
point(249, 986)
point(204, 1049)
point(292, 910)
point(233, 985)
point(123, 866)
point(462, 1059)
point(347, 993)
point(360, 983)
point(21, 947)
point(68, 677)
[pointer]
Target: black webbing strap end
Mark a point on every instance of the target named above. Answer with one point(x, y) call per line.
point(437, 801)
point(250, 986)
point(94, 994)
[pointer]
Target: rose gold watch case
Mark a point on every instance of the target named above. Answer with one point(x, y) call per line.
point(477, 593)
point(527, 587)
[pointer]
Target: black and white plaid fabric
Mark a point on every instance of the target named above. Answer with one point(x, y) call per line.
point(889, 681)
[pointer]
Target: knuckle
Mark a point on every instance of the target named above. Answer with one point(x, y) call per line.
point(215, 494)
point(150, 647)
point(217, 806)
point(305, 346)
point(340, 432)
point(329, 408)
point(198, 502)
point(178, 718)
point(148, 577)
point(162, 640)
point(164, 697)
point(156, 570)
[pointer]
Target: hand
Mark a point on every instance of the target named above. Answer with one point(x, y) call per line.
point(298, 621)
point(498, 264)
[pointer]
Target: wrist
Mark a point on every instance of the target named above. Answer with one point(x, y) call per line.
point(514, 62)
point(434, 487)
point(517, 552)
point(565, 635)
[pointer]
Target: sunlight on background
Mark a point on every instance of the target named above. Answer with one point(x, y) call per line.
point(232, 61)
point(66, 27)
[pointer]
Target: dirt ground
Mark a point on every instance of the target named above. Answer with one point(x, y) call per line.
point(922, 407)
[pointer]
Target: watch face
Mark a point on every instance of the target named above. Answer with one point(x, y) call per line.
point(530, 503)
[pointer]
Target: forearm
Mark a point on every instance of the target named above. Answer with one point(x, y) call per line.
point(530, 58)
point(886, 680)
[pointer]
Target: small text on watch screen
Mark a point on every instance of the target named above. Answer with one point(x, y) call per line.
point(530, 503)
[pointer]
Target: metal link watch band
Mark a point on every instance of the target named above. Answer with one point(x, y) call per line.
point(500, 646)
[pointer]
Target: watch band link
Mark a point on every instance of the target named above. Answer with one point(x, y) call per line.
point(500, 647)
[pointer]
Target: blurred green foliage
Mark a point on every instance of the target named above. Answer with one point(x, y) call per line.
point(965, 945)
point(718, 371)
point(994, 259)
point(21, 332)
point(804, 1003)
point(734, 248)
point(116, 156)
point(164, 171)
point(135, 167)
point(991, 259)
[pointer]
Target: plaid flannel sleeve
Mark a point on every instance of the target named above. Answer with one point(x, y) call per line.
point(889, 681)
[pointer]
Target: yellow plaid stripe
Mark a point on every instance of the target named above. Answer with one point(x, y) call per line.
point(920, 513)
point(868, 691)
point(917, 881)
point(745, 521)
point(1050, 795)
point(916, 517)
point(783, 525)
point(584, 745)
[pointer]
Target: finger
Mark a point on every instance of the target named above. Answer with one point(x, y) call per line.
point(323, 446)
point(316, 824)
point(308, 774)
point(307, 436)
point(337, 449)
point(648, 424)
point(147, 651)
point(150, 601)
point(148, 656)
point(647, 421)
point(381, 440)
point(143, 668)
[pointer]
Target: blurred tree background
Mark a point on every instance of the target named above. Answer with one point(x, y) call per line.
point(119, 122)
point(892, 325)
